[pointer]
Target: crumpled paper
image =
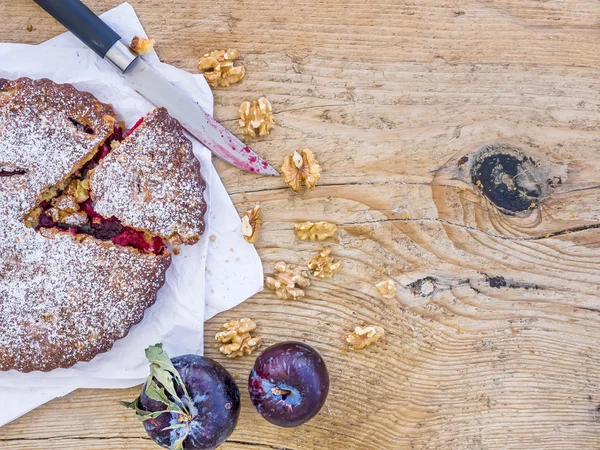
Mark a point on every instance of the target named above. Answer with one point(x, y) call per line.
point(204, 279)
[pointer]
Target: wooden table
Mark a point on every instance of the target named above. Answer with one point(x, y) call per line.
point(400, 100)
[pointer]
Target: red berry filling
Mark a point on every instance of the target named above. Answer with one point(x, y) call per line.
point(88, 220)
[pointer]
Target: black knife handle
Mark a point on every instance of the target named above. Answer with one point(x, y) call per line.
point(83, 23)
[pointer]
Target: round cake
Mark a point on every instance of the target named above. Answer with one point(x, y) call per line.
point(89, 214)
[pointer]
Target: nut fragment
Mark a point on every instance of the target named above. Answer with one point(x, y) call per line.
point(288, 282)
point(387, 288)
point(256, 118)
point(251, 224)
point(362, 337)
point(79, 189)
point(238, 338)
point(312, 231)
point(141, 46)
point(218, 69)
point(301, 167)
point(322, 264)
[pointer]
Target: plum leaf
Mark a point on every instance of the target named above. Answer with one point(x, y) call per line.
point(142, 414)
point(162, 369)
point(157, 393)
point(175, 426)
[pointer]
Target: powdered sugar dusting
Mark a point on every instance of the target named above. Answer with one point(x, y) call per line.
point(152, 181)
point(63, 298)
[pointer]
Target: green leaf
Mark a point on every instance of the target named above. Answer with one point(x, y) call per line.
point(157, 393)
point(144, 415)
point(130, 405)
point(156, 355)
point(175, 426)
point(163, 371)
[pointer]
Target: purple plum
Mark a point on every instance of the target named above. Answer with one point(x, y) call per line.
point(288, 384)
point(202, 414)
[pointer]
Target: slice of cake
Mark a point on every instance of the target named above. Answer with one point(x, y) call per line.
point(150, 181)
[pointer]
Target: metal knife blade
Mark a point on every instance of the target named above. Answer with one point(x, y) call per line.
point(155, 87)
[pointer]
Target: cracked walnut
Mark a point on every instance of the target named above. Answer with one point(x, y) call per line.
point(141, 46)
point(218, 69)
point(256, 118)
point(387, 288)
point(301, 167)
point(238, 338)
point(288, 282)
point(363, 337)
point(312, 231)
point(322, 265)
point(251, 224)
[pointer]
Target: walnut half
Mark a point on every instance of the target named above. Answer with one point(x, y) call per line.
point(322, 265)
point(387, 288)
point(288, 282)
point(301, 167)
point(141, 46)
point(312, 231)
point(238, 338)
point(362, 337)
point(251, 224)
point(256, 118)
point(218, 69)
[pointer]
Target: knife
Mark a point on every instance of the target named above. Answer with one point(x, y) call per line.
point(141, 76)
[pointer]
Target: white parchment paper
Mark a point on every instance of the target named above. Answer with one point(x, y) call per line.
point(204, 279)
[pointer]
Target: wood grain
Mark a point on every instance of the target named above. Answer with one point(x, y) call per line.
point(392, 96)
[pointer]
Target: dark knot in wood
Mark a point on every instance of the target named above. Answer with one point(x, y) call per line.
point(512, 180)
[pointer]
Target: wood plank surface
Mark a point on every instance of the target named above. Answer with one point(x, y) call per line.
point(400, 101)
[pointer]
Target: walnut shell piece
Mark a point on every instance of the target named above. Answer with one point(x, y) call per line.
point(238, 338)
point(301, 168)
point(141, 46)
point(288, 282)
point(312, 231)
point(218, 69)
point(256, 118)
point(251, 224)
point(363, 337)
point(387, 288)
point(322, 264)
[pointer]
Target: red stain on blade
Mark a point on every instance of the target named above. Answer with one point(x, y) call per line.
point(234, 152)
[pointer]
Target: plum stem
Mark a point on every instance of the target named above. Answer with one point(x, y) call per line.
point(282, 392)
